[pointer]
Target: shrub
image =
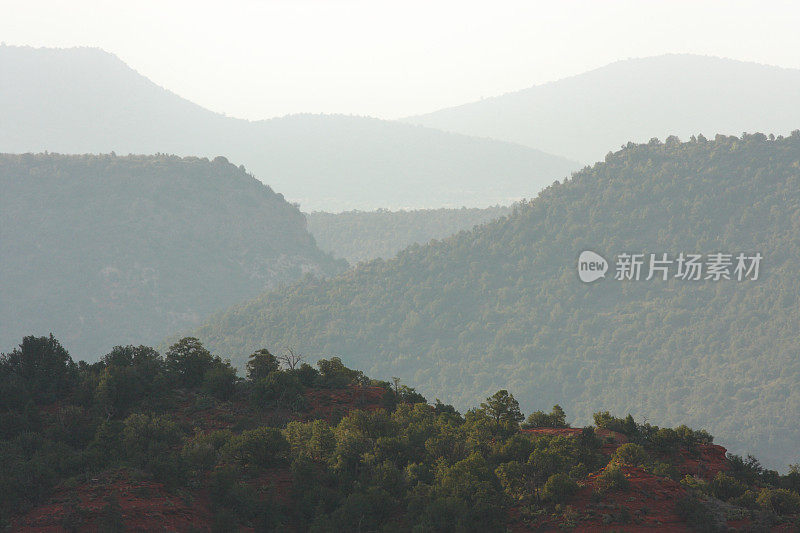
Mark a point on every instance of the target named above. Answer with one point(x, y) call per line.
point(279, 388)
point(512, 478)
point(664, 470)
point(698, 514)
point(334, 375)
point(262, 447)
point(202, 452)
point(726, 487)
point(539, 419)
point(146, 437)
point(558, 488)
point(307, 374)
point(625, 425)
point(612, 478)
point(220, 381)
point(779, 501)
point(748, 500)
point(630, 454)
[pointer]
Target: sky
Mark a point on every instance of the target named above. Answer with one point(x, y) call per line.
point(262, 59)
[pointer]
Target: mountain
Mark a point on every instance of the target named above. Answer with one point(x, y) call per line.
point(84, 100)
point(364, 235)
point(96, 248)
point(633, 100)
point(502, 305)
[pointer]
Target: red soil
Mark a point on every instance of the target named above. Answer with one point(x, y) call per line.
point(143, 506)
point(328, 404)
point(704, 463)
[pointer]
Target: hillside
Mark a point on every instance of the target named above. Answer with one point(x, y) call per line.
point(364, 235)
point(96, 248)
point(142, 442)
point(502, 305)
point(584, 116)
point(84, 100)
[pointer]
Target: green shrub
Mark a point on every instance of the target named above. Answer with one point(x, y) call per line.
point(145, 437)
point(612, 478)
point(748, 500)
point(779, 501)
point(698, 514)
point(512, 476)
point(261, 447)
point(202, 452)
point(334, 375)
point(277, 389)
point(558, 488)
point(220, 381)
point(630, 454)
point(663, 470)
point(625, 425)
point(726, 487)
point(539, 419)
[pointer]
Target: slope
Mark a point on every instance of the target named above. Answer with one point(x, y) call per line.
point(502, 305)
point(88, 101)
point(633, 100)
point(96, 248)
point(364, 235)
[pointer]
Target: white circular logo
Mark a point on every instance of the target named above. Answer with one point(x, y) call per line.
point(591, 266)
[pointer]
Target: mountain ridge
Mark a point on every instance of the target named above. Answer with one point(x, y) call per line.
point(582, 116)
point(108, 247)
point(89, 101)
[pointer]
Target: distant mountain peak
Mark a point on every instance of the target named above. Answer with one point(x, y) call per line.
point(580, 117)
point(88, 101)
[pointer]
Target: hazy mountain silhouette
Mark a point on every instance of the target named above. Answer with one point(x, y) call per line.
point(584, 116)
point(104, 250)
point(84, 100)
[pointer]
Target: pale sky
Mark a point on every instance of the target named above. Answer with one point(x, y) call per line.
point(261, 59)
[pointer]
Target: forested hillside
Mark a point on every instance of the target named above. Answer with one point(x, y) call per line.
point(85, 100)
point(143, 442)
point(502, 305)
point(96, 248)
point(584, 116)
point(363, 235)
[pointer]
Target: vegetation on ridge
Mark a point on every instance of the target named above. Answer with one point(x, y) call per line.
point(140, 441)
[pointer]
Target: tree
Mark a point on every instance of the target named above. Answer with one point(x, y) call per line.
point(539, 419)
point(291, 358)
point(43, 365)
point(132, 375)
point(189, 360)
point(333, 374)
point(220, 381)
point(277, 389)
point(502, 408)
point(261, 364)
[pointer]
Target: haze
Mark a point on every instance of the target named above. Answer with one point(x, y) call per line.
point(390, 60)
